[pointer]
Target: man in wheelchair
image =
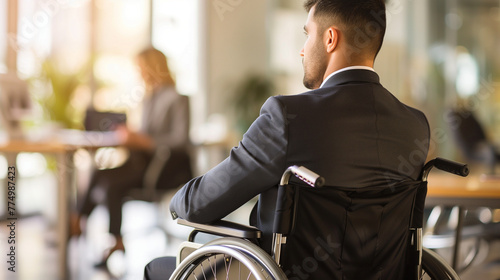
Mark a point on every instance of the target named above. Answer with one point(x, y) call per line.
point(349, 129)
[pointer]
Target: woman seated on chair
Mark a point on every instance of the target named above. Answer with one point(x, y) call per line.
point(159, 149)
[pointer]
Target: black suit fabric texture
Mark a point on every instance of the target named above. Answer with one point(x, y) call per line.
point(352, 131)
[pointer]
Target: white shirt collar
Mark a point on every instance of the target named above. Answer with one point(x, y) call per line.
point(345, 69)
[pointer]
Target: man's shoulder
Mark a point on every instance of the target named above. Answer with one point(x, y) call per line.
point(297, 97)
point(419, 115)
point(309, 97)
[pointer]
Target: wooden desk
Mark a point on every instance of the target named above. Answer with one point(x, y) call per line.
point(470, 192)
point(62, 146)
point(65, 169)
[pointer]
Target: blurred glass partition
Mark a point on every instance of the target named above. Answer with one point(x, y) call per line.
point(464, 65)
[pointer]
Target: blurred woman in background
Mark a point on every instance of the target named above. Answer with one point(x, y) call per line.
point(159, 150)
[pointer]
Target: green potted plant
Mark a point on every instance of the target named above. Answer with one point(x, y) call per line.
point(249, 97)
point(57, 103)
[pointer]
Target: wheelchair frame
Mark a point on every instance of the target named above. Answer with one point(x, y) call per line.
point(234, 241)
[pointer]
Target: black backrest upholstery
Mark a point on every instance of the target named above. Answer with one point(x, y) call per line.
point(342, 233)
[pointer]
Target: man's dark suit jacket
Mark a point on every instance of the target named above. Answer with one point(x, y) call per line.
point(352, 131)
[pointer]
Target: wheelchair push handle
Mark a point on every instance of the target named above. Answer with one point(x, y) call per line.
point(285, 208)
point(284, 214)
point(454, 167)
point(304, 174)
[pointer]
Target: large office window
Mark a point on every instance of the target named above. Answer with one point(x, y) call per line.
point(93, 42)
point(121, 30)
point(34, 32)
point(3, 36)
point(175, 32)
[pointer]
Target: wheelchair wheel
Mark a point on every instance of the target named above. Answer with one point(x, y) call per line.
point(434, 267)
point(228, 258)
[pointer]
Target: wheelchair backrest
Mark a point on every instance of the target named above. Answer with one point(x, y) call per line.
point(345, 233)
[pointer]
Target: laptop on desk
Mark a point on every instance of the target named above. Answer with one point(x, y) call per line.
point(103, 121)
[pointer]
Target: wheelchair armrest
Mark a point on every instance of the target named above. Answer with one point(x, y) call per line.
point(224, 228)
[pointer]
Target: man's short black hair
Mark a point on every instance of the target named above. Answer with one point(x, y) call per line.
point(362, 22)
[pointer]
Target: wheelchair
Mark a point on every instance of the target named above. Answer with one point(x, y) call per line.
point(235, 254)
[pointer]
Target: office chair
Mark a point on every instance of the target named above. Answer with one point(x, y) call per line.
point(159, 170)
point(475, 146)
point(471, 138)
point(162, 176)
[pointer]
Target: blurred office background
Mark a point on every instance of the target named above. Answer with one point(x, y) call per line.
point(227, 56)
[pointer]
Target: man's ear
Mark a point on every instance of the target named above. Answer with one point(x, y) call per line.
point(332, 39)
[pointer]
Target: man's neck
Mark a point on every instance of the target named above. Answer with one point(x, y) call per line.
point(339, 62)
point(359, 67)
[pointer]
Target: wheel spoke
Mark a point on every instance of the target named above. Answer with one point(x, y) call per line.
point(213, 267)
point(203, 271)
point(249, 274)
point(227, 265)
point(205, 263)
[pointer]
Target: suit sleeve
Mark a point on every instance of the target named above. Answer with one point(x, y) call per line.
point(251, 168)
